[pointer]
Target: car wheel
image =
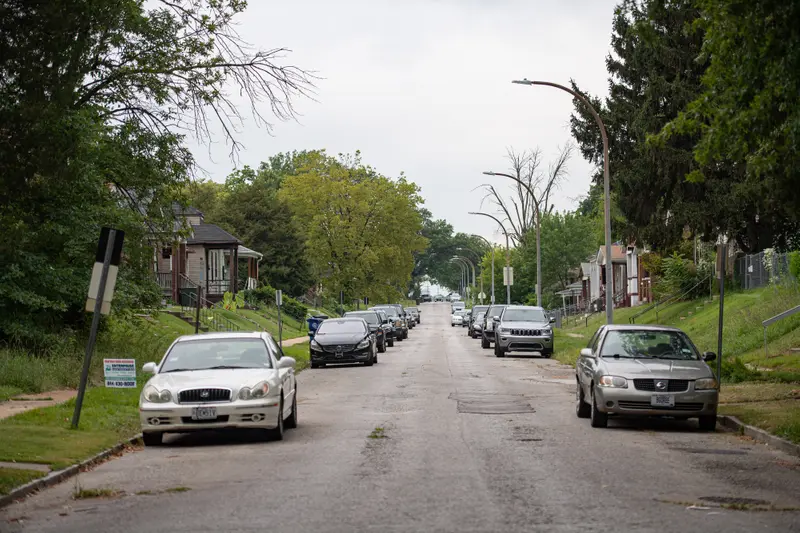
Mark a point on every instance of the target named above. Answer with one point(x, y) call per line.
point(391, 343)
point(708, 422)
point(547, 354)
point(452, 325)
point(314, 365)
point(277, 432)
point(485, 343)
point(598, 419)
point(498, 351)
point(582, 409)
point(382, 346)
point(152, 438)
point(405, 334)
point(291, 422)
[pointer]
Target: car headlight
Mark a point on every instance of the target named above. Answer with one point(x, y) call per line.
point(614, 382)
point(256, 392)
point(705, 384)
point(153, 395)
point(315, 345)
point(363, 344)
point(505, 330)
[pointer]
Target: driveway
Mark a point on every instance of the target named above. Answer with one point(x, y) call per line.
point(439, 436)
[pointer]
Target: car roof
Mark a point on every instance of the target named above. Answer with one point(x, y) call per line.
point(350, 313)
point(223, 335)
point(344, 318)
point(637, 327)
point(524, 307)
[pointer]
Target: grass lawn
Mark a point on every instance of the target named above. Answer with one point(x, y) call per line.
point(7, 391)
point(300, 352)
point(10, 478)
point(568, 344)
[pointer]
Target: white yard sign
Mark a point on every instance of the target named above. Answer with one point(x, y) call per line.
point(120, 373)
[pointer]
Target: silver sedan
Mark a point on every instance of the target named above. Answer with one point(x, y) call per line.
point(645, 371)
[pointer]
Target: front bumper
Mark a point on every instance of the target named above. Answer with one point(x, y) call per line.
point(238, 414)
point(357, 356)
point(525, 343)
point(635, 402)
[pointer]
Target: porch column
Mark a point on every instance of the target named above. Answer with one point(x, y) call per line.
point(233, 273)
point(174, 270)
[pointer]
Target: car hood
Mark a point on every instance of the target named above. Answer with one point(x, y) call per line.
point(232, 379)
point(329, 339)
point(525, 325)
point(656, 368)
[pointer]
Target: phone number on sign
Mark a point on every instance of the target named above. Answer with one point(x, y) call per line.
point(121, 384)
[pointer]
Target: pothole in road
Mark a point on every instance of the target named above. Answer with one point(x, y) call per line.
point(487, 403)
point(733, 500)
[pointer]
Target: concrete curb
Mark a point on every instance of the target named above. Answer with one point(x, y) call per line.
point(58, 476)
point(758, 435)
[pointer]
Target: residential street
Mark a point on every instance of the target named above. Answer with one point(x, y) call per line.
point(472, 443)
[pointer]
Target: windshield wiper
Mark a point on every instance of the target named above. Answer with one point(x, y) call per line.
point(226, 367)
point(179, 370)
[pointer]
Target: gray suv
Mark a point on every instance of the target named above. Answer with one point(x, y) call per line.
point(487, 331)
point(523, 328)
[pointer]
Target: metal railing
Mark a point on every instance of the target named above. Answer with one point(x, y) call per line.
point(670, 300)
point(164, 280)
point(776, 318)
point(208, 315)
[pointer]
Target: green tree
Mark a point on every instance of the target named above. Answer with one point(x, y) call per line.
point(361, 228)
point(98, 95)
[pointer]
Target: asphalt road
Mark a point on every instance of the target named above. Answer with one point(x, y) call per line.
point(472, 444)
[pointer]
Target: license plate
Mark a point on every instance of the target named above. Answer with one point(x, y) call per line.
point(204, 413)
point(662, 400)
point(338, 355)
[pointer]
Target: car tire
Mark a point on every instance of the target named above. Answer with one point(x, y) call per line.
point(485, 343)
point(276, 433)
point(382, 346)
point(498, 351)
point(391, 343)
point(547, 354)
point(452, 325)
point(152, 438)
point(314, 365)
point(708, 423)
point(598, 419)
point(405, 334)
point(291, 422)
point(582, 409)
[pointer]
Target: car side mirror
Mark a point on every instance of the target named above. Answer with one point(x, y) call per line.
point(149, 368)
point(587, 352)
point(552, 320)
point(286, 362)
point(495, 319)
point(709, 356)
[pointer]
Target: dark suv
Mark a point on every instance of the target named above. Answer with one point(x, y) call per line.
point(398, 321)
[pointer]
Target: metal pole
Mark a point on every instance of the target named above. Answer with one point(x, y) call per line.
point(723, 252)
point(280, 329)
point(508, 271)
point(606, 190)
point(538, 257)
point(197, 313)
point(492, 274)
point(98, 306)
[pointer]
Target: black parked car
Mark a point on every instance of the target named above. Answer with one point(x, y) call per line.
point(400, 318)
point(343, 340)
point(376, 326)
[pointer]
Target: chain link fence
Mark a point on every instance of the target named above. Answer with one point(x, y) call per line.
point(761, 269)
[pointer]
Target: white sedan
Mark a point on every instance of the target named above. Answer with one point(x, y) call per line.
point(457, 318)
point(219, 381)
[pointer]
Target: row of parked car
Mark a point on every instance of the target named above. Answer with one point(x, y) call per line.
point(625, 370)
point(359, 336)
point(518, 328)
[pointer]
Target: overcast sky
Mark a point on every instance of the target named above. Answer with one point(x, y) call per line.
point(423, 86)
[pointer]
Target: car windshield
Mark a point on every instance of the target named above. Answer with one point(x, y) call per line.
point(524, 315)
point(458, 312)
point(479, 309)
point(205, 354)
point(495, 310)
point(334, 326)
point(371, 318)
point(391, 312)
point(644, 344)
point(411, 309)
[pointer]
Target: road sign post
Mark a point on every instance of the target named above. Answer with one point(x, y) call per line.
point(109, 252)
point(279, 303)
point(722, 251)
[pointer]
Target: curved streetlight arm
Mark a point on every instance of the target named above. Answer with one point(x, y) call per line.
point(492, 246)
point(606, 188)
point(508, 254)
point(464, 268)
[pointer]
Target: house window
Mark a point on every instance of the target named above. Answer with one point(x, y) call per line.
point(166, 253)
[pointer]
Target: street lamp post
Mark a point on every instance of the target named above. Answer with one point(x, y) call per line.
point(471, 264)
point(606, 190)
point(463, 267)
point(492, 246)
point(508, 254)
point(478, 258)
point(538, 232)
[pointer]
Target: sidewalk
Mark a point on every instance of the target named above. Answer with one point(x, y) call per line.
point(26, 402)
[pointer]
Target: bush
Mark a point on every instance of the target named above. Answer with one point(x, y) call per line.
point(735, 371)
point(680, 275)
point(794, 265)
point(265, 295)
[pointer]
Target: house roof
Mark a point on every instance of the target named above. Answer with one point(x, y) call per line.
point(618, 254)
point(247, 252)
point(210, 234)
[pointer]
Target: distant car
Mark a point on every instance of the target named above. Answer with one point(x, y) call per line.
point(438, 298)
point(400, 325)
point(343, 340)
point(487, 333)
point(467, 318)
point(523, 328)
point(457, 305)
point(477, 325)
point(387, 324)
point(219, 381)
point(476, 311)
point(645, 371)
point(457, 318)
point(414, 312)
point(375, 326)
